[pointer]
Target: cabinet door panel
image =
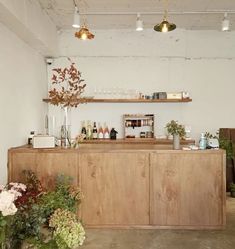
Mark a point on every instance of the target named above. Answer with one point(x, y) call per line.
point(115, 188)
point(17, 162)
point(45, 165)
point(51, 164)
point(186, 189)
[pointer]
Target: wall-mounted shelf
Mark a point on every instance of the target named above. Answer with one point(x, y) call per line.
point(92, 100)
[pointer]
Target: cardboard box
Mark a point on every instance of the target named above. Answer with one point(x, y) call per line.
point(43, 141)
point(174, 95)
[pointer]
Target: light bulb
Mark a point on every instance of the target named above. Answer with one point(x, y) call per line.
point(84, 36)
point(164, 28)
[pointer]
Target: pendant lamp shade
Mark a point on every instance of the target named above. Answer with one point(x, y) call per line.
point(84, 34)
point(164, 26)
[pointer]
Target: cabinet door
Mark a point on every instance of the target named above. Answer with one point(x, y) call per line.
point(45, 164)
point(187, 189)
point(17, 162)
point(115, 188)
point(51, 164)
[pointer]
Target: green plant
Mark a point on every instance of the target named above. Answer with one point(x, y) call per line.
point(232, 187)
point(35, 209)
point(173, 128)
point(68, 231)
point(224, 144)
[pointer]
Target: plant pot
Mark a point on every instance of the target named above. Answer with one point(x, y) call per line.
point(232, 194)
point(176, 142)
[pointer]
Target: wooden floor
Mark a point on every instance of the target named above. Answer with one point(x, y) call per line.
point(165, 239)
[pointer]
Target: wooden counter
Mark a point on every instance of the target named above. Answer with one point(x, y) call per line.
point(126, 185)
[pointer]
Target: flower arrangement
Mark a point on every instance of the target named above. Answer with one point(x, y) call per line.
point(173, 128)
point(8, 196)
point(45, 219)
point(79, 139)
point(71, 86)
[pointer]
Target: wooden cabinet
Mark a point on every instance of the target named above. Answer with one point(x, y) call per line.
point(126, 186)
point(187, 189)
point(116, 188)
point(45, 163)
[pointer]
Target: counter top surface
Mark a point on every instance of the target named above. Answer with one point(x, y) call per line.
point(114, 148)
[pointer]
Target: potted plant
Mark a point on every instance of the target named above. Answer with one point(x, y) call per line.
point(232, 190)
point(177, 131)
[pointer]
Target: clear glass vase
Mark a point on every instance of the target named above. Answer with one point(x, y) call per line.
point(65, 130)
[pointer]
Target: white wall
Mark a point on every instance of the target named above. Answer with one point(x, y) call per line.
point(23, 85)
point(27, 19)
point(201, 62)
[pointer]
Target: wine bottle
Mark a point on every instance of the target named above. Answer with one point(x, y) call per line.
point(106, 131)
point(101, 132)
point(83, 131)
point(89, 131)
point(94, 131)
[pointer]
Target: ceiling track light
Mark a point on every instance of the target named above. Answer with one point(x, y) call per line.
point(76, 17)
point(165, 26)
point(225, 23)
point(139, 23)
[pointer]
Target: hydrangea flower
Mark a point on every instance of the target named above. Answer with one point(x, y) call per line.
point(7, 206)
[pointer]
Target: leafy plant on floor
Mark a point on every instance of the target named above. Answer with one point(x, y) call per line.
point(35, 210)
point(232, 187)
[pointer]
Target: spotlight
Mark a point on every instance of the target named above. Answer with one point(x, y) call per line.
point(76, 18)
point(139, 23)
point(225, 23)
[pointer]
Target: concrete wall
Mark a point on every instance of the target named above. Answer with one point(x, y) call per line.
point(201, 62)
point(23, 85)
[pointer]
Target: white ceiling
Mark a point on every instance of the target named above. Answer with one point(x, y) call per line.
point(121, 14)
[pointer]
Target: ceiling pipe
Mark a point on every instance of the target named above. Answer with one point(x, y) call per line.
point(161, 12)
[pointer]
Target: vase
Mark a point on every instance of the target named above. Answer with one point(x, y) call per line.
point(176, 142)
point(65, 130)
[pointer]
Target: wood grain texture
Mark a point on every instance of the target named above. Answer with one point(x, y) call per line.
point(135, 185)
point(159, 141)
point(116, 188)
point(187, 189)
point(45, 164)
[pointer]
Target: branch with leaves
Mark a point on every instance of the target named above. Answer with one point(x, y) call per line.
point(71, 87)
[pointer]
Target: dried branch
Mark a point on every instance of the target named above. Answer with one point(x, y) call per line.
point(71, 87)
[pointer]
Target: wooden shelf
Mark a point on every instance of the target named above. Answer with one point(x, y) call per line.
point(91, 100)
point(161, 141)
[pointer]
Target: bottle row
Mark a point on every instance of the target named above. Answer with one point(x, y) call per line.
point(91, 131)
point(139, 123)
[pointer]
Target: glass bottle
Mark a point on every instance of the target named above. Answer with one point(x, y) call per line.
point(89, 131)
point(83, 131)
point(202, 142)
point(100, 132)
point(94, 131)
point(106, 131)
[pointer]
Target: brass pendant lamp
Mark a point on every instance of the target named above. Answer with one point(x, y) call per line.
point(84, 33)
point(165, 26)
